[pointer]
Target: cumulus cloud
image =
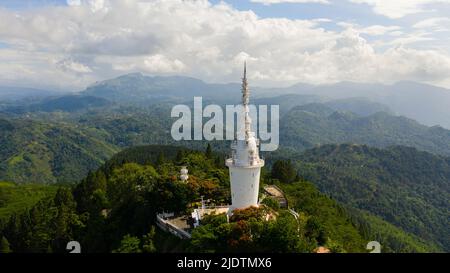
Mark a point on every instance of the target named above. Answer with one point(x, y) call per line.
point(399, 8)
point(270, 2)
point(77, 45)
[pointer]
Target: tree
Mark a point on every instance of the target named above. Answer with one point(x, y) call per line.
point(161, 159)
point(129, 244)
point(148, 245)
point(208, 152)
point(4, 246)
point(271, 203)
point(203, 239)
point(315, 230)
point(180, 156)
point(283, 235)
point(284, 171)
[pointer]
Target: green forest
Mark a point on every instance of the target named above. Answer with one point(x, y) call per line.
point(113, 210)
point(71, 166)
point(403, 186)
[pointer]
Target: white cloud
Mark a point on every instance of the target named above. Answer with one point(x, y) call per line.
point(160, 63)
point(399, 8)
point(374, 30)
point(78, 45)
point(434, 24)
point(73, 2)
point(270, 2)
point(410, 38)
point(95, 5)
point(71, 65)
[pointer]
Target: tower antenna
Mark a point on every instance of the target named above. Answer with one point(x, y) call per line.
point(245, 102)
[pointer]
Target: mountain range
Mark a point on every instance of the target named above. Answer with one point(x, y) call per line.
point(425, 103)
point(316, 124)
point(370, 147)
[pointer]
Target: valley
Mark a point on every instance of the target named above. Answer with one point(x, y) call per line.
point(378, 174)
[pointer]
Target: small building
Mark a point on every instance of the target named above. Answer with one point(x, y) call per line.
point(184, 174)
point(199, 213)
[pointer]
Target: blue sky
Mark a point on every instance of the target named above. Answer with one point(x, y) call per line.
point(337, 10)
point(315, 41)
point(26, 4)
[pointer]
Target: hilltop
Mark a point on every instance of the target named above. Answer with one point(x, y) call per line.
point(141, 181)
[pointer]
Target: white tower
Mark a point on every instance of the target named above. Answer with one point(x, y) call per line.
point(245, 163)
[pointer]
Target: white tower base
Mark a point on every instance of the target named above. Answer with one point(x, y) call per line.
point(244, 186)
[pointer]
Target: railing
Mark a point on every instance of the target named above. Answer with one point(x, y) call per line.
point(167, 226)
point(216, 207)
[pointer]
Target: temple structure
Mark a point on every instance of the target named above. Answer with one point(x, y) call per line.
point(245, 164)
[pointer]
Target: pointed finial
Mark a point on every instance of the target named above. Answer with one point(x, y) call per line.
point(245, 69)
point(245, 91)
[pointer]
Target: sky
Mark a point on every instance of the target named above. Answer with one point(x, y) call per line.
point(68, 45)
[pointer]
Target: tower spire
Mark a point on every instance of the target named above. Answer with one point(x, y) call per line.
point(245, 91)
point(245, 163)
point(245, 70)
point(245, 101)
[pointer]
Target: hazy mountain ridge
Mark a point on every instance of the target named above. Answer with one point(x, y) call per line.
point(14, 93)
point(313, 124)
point(425, 103)
point(68, 103)
point(139, 89)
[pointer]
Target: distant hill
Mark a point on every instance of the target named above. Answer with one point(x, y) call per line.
point(314, 124)
point(422, 102)
point(403, 186)
point(95, 134)
point(425, 103)
point(10, 93)
point(139, 89)
point(360, 106)
point(70, 103)
point(287, 102)
point(32, 151)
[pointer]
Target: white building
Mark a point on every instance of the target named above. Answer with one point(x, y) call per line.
point(245, 168)
point(245, 163)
